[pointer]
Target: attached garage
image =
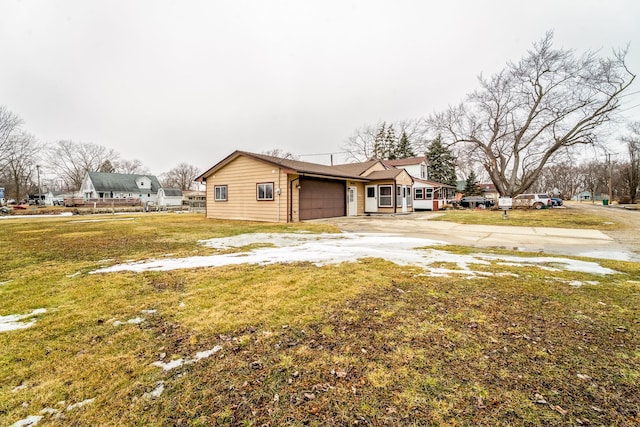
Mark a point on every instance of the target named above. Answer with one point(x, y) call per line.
point(322, 198)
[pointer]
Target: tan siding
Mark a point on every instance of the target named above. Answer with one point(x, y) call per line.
point(241, 176)
point(294, 199)
point(360, 195)
point(376, 167)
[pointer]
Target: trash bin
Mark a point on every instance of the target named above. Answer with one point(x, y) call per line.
point(605, 202)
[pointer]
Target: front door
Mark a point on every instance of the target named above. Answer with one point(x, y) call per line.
point(371, 199)
point(353, 201)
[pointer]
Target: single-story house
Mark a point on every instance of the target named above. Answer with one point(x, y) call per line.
point(489, 191)
point(587, 196)
point(250, 186)
point(103, 185)
point(52, 198)
point(169, 197)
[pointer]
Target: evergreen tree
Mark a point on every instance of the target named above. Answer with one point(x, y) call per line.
point(403, 148)
point(390, 143)
point(472, 188)
point(107, 166)
point(379, 142)
point(442, 164)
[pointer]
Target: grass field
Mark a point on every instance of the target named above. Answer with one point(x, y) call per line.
point(363, 342)
point(556, 217)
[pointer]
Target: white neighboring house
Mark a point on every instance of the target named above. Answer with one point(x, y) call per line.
point(103, 185)
point(427, 195)
point(169, 197)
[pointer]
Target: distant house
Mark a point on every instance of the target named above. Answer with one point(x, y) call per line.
point(427, 194)
point(102, 185)
point(489, 191)
point(251, 186)
point(194, 199)
point(587, 196)
point(53, 198)
point(170, 197)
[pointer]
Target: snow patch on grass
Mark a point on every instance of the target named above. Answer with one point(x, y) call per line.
point(13, 322)
point(179, 362)
point(326, 248)
point(31, 420)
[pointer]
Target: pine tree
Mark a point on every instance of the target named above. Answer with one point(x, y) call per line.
point(472, 188)
point(106, 166)
point(403, 148)
point(390, 143)
point(379, 142)
point(442, 165)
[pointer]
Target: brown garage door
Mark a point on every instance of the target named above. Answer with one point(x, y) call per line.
point(322, 199)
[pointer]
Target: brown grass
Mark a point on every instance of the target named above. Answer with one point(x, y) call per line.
point(367, 342)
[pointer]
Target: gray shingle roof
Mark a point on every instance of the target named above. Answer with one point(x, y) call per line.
point(172, 192)
point(103, 181)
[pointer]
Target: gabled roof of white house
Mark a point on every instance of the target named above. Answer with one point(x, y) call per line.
point(172, 192)
point(103, 181)
point(433, 183)
point(405, 162)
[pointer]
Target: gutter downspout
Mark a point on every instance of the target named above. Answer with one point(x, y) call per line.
point(291, 197)
point(279, 193)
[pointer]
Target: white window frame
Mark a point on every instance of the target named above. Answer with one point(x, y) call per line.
point(418, 190)
point(384, 197)
point(264, 191)
point(218, 191)
point(428, 194)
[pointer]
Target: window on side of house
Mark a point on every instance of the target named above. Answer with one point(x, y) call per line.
point(264, 191)
point(429, 194)
point(409, 198)
point(398, 195)
point(220, 193)
point(419, 193)
point(386, 196)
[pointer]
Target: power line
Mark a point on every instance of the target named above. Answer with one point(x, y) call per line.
point(323, 154)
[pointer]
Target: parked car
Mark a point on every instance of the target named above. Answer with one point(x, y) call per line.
point(476, 201)
point(532, 200)
point(555, 201)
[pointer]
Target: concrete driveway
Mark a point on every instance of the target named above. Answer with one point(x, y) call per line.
point(563, 241)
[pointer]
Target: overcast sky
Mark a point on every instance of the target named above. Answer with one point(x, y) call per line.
point(190, 81)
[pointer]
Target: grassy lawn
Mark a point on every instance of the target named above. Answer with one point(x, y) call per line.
point(365, 342)
point(559, 218)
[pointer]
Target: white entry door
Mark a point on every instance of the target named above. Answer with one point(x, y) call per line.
point(371, 199)
point(353, 201)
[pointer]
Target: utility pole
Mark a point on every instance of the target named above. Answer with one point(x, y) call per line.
point(38, 172)
point(610, 178)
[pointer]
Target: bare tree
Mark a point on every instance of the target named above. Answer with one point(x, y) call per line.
point(364, 143)
point(522, 117)
point(631, 171)
point(21, 159)
point(280, 153)
point(182, 177)
point(130, 167)
point(72, 160)
point(10, 128)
